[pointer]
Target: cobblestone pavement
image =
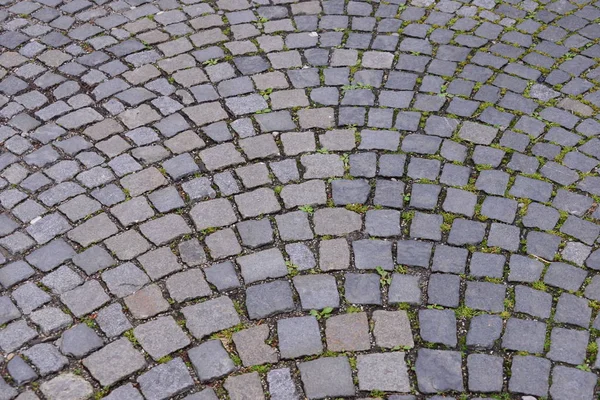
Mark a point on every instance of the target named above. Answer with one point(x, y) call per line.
point(286, 200)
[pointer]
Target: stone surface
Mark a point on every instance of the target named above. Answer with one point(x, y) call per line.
point(299, 337)
point(114, 362)
point(385, 372)
point(166, 380)
point(439, 371)
point(210, 360)
point(67, 386)
point(327, 377)
point(303, 181)
point(211, 316)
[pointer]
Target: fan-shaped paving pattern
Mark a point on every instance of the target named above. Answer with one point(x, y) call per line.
point(287, 200)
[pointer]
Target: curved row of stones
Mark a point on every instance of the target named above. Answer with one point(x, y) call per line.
point(284, 200)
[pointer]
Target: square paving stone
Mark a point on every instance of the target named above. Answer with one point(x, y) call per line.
point(164, 229)
point(126, 392)
point(66, 385)
point(15, 272)
point(334, 254)
point(371, 253)
point(16, 334)
point(211, 316)
point(269, 299)
point(93, 259)
point(348, 332)
point(504, 236)
point(93, 230)
point(262, 265)
point(50, 319)
point(146, 302)
point(336, 221)
point(222, 276)
point(317, 291)
point(390, 165)
point(424, 196)
point(346, 191)
point(392, 329)
point(571, 309)
point(499, 208)
point(255, 233)
point(79, 341)
point(213, 214)
point(460, 202)
point(363, 165)
point(211, 361)
point(576, 253)
point(439, 371)
point(524, 335)
point(160, 263)
point(85, 298)
point(8, 311)
point(46, 358)
point(477, 133)
point(20, 371)
point(127, 245)
point(529, 375)
point(524, 269)
point(245, 386)
point(466, 232)
point(114, 362)
point(299, 337)
point(484, 330)
point(426, 226)
point(112, 321)
point(52, 255)
point(449, 259)
point(362, 288)
point(444, 290)
point(485, 373)
point(414, 253)
point(294, 226)
point(592, 291)
point(542, 244)
point(568, 345)
point(152, 337)
point(301, 256)
point(385, 372)
point(327, 377)
point(165, 380)
point(187, 285)
point(540, 216)
point(485, 296)
point(125, 279)
point(133, 211)
point(565, 276)
point(281, 385)
point(223, 243)
point(438, 326)
point(533, 302)
point(572, 383)
point(250, 345)
point(166, 199)
point(405, 289)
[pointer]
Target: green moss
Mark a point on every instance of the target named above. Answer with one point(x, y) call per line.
point(164, 359)
point(353, 309)
point(307, 209)
point(357, 208)
point(131, 337)
point(465, 312)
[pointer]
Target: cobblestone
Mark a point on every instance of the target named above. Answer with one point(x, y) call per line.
point(298, 181)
